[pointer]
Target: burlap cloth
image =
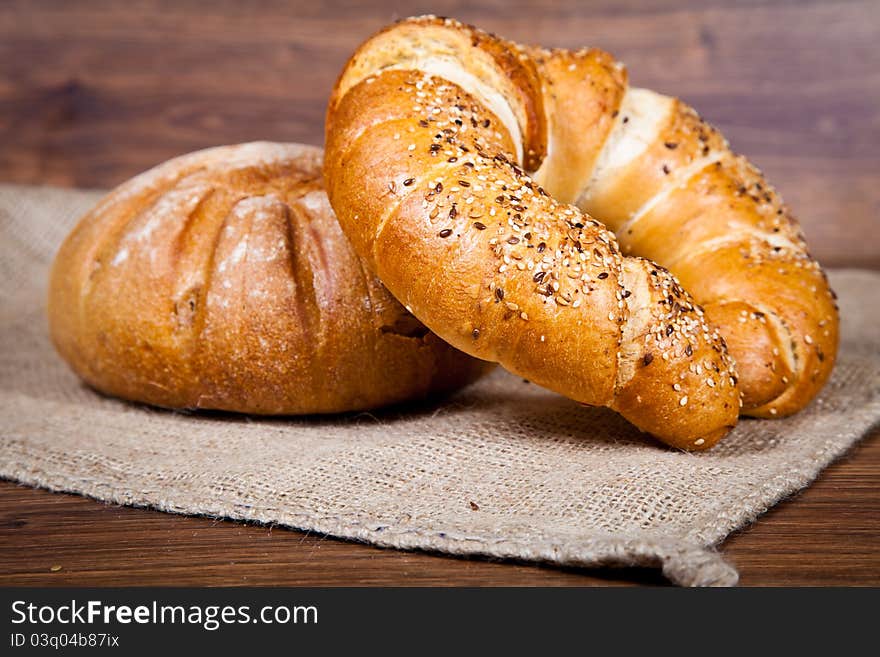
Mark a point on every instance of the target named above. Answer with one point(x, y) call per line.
point(502, 469)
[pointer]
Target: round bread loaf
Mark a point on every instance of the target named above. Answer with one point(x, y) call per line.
point(221, 280)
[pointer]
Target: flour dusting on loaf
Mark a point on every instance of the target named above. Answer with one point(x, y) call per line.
point(221, 280)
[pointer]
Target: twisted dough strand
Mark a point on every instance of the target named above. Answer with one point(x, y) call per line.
point(670, 187)
point(421, 162)
point(648, 167)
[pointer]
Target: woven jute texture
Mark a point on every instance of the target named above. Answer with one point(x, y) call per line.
point(502, 469)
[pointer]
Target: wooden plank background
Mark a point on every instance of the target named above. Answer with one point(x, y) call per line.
point(94, 92)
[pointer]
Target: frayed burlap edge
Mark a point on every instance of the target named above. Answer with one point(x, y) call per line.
point(689, 559)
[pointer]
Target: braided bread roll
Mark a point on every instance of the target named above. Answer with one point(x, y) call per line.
point(671, 189)
point(648, 167)
point(221, 280)
point(428, 130)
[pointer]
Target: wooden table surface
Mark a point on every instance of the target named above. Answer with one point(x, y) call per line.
point(94, 92)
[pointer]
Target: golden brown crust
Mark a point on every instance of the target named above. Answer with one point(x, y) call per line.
point(221, 280)
point(659, 176)
point(421, 180)
point(582, 91)
point(682, 138)
point(521, 70)
point(731, 241)
point(428, 41)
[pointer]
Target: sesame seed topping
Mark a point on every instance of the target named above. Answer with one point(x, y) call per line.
point(446, 232)
point(699, 441)
point(683, 401)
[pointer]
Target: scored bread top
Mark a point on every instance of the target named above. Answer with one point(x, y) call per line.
point(221, 280)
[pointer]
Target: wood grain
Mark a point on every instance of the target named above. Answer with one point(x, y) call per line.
point(94, 92)
point(827, 535)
